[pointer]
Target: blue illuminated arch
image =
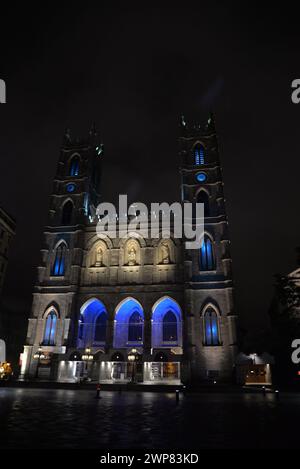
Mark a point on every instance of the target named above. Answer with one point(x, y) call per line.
point(50, 328)
point(211, 327)
point(199, 155)
point(129, 324)
point(59, 265)
point(135, 327)
point(92, 324)
point(170, 332)
point(166, 323)
point(207, 257)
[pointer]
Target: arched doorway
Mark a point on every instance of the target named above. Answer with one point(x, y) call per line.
point(92, 326)
point(129, 324)
point(166, 324)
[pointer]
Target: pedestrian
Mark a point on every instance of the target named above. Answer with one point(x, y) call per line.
point(98, 389)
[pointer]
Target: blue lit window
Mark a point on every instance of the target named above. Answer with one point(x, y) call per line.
point(71, 188)
point(166, 323)
point(50, 329)
point(74, 167)
point(207, 261)
point(60, 260)
point(199, 158)
point(100, 327)
point(92, 324)
point(170, 327)
point(135, 327)
point(211, 327)
point(201, 177)
point(129, 324)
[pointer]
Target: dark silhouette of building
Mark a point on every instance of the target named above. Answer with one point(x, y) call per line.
point(7, 232)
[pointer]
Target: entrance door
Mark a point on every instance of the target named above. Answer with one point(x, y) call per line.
point(170, 370)
point(119, 371)
point(164, 371)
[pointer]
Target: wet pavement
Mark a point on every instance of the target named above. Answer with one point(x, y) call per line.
point(39, 418)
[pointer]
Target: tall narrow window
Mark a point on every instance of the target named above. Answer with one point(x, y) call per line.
point(202, 198)
point(100, 328)
point(74, 166)
point(207, 261)
point(135, 328)
point(67, 213)
point(50, 328)
point(199, 158)
point(211, 327)
point(170, 327)
point(60, 260)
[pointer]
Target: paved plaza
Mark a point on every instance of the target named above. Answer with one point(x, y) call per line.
point(39, 418)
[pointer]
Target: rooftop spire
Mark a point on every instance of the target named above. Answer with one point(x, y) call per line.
point(67, 136)
point(211, 121)
point(93, 131)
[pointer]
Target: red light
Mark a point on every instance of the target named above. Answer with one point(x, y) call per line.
point(298, 373)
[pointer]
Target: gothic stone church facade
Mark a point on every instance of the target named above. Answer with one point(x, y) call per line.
point(116, 310)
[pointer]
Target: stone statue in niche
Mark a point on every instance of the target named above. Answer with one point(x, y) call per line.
point(99, 258)
point(132, 256)
point(165, 253)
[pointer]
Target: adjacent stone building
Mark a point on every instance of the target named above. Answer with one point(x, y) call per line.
point(138, 309)
point(7, 232)
point(285, 327)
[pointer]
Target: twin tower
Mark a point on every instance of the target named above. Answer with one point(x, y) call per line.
point(133, 309)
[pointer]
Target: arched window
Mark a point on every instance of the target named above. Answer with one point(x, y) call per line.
point(59, 265)
point(203, 198)
point(67, 213)
point(166, 324)
point(50, 329)
point(100, 327)
point(211, 327)
point(207, 260)
point(135, 327)
point(199, 158)
point(92, 324)
point(129, 324)
point(170, 327)
point(74, 166)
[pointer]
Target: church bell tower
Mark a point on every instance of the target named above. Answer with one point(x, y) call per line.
point(210, 327)
point(73, 202)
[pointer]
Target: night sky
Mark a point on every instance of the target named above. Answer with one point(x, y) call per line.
point(134, 72)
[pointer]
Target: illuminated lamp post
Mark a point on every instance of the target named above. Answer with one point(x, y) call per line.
point(88, 357)
point(132, 358)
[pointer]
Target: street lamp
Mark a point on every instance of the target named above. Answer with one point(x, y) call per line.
point(132, 358)
point(88, 357)
point(39, 355)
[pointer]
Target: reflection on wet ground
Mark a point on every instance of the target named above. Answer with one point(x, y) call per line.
point(38, 418)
